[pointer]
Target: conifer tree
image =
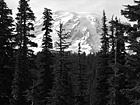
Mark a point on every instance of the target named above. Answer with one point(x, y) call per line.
point(104, 38)
point(103, 70)
point(47, 46)
point(91, 66)
point(131, 12)
point(61, 94)
point(46, 76)
point(24, 54)
point(81, 93)
point(117, 61)
point(6, 52)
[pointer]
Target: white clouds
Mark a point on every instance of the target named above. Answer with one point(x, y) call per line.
point(95, 6)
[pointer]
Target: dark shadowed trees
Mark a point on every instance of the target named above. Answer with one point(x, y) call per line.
point(61, 93)
point(6, 52)
point(24, 63)
point(104, 70)
point(131, 12)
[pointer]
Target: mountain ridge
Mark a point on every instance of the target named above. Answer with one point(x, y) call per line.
point(83, 27)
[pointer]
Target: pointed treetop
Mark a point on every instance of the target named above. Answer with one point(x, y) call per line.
point(103, 12)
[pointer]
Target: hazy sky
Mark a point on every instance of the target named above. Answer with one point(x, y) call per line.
point(95, 6)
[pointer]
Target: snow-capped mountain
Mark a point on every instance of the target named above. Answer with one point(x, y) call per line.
point(83, 27)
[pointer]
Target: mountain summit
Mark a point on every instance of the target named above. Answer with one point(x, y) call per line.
point(83, 27)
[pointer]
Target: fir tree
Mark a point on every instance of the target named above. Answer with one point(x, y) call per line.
point(6, 52)
point(46, 76)
point(47, 46)
point(81, 93)
point(91, 66)
point(131, 12)
point(104, 38)
point(61, 94)
point(117, 61)
point(24, 55)
point(103, 70)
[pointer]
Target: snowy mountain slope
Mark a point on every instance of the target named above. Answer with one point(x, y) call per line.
point(83, 27)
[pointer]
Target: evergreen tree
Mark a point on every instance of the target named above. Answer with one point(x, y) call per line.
point(24, 54)
point(117, 61)
point(91, 66)
point(61, 94)
point(46, 76)
point(132, 92)
point(47, 46)
point(81, 93)
point(6, 52)
point(103, 70)
point(104, 38)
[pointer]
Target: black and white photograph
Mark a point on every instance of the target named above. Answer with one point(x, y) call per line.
point(69, 52)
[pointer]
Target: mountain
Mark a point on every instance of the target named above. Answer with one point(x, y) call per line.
point(83, 27)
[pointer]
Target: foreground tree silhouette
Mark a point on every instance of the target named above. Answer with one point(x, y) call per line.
point(45, 59)
point(61, 93)
point(104, 69)
point(81, 85)
point(24, 55)
point(132, 92)
point(6, 52)
point(117, 63)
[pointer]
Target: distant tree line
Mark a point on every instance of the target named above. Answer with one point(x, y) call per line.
point(108, 77)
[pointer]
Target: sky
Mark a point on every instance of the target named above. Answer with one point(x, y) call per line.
point(112, 7)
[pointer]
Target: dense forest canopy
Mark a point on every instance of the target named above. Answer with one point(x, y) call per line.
point(59, 77)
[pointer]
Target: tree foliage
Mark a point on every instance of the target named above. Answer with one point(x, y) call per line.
point(131, 12)
point(61, 93)
point(104, 70)
point(24, 55)
point(6, 52)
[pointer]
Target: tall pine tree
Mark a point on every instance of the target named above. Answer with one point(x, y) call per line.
point(47, 46)
point(61, 94)
point(6, 52)
point(117, 61)
point(103, 69)
point(46, 61)
point(81, 87)
point(131, 12)
point(24, 54)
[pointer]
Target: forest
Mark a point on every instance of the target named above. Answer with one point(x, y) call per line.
point(108, 77)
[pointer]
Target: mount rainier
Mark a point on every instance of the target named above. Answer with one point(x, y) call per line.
point(83, 27)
